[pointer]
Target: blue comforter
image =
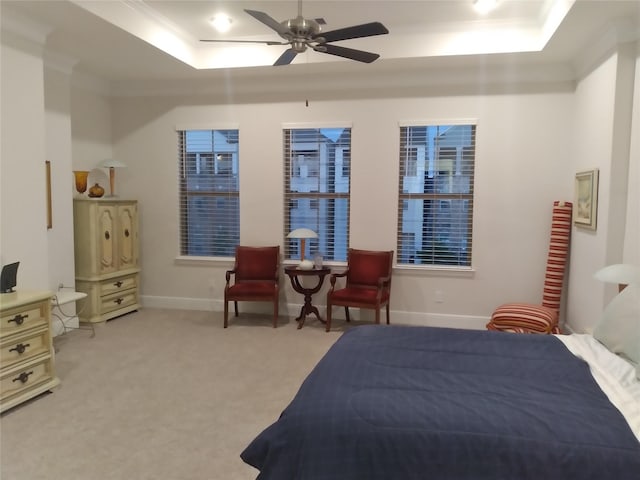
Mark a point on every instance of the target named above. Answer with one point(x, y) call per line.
point(392, 402)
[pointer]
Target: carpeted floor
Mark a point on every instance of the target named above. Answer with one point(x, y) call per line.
point(160, 394)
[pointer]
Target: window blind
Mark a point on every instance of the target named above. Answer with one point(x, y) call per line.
point(435, 208)
point(209, 192)
point(317, 175)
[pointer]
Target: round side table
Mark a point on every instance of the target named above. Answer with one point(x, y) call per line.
point(294, 274)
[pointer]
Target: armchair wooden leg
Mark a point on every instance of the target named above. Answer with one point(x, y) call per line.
point(235, 306)
point(328, 327)
point(387, 314)
point(226, 313)
point(346, 312)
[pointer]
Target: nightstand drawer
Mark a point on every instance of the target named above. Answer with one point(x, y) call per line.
point(18, 348)
point(24, 318)
point(28, 376)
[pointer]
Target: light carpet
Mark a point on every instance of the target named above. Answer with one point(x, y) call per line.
point(160, 394)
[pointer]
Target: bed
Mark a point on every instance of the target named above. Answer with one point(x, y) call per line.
point(402, 402)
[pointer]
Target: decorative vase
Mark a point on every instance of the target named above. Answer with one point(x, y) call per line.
point(96, 191)
point(81, 180)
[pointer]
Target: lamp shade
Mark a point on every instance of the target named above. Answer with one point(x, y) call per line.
point(621, 273)
point(302, 233)
point(111, 163)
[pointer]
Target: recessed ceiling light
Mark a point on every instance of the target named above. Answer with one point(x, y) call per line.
point(484, 6)
point(221, 22)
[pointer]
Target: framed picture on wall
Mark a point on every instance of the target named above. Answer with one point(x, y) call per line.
point(585, 211)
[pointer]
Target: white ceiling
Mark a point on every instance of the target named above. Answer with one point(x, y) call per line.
point(123, 41)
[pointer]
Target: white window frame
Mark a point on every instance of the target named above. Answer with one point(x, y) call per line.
point(325, 244)
point(437, 257)
point(218, 153)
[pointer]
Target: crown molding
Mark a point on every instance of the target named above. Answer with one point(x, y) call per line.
point(23, 27)
point(617, 34)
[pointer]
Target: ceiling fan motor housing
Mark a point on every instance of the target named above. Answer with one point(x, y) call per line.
point(301, 28)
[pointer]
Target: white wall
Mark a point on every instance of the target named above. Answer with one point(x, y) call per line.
point(23, 227)
point(521, 169)
point(602, 129)
point(58, 152)
point(91, 129)
point(632, 234)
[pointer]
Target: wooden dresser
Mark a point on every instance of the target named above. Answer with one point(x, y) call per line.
point(26, 349)
point(106, 257)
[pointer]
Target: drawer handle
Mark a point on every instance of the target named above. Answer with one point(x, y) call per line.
point(19, 319)
point(23, 377)
point(106, 235)
point(20, 348)
point(118, 284)
point(118, 301)
point(126, 232)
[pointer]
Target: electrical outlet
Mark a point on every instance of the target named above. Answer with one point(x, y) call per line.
point(60, 286)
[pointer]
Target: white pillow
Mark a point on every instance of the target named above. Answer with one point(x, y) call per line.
point(619, 327)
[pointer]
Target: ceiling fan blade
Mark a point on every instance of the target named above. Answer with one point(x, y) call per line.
point(286, 58)
point(264, 42)
point(350, 53)
point(356, 31)
point(268, 21)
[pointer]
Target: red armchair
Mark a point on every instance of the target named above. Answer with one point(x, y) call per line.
point(255, 279)
point(368, 283)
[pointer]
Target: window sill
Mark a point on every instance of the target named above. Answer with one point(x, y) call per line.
point(203, 261)
point(429, 271)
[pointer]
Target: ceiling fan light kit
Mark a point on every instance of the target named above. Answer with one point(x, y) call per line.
point(301, 33)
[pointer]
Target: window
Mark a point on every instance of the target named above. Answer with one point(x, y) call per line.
point(435, 210)
point(209, 192)
point(317, 177)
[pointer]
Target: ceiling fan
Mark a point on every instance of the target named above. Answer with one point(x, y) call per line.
point(301, 33)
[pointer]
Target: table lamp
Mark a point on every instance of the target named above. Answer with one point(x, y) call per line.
point(111, 165)
point(621, 273)
point(303, 234)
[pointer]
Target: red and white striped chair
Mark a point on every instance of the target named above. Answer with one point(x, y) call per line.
point(529, 318)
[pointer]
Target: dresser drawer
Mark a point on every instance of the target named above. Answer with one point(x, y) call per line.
point(108, 287)
point(109, 303)
point(18, 348)
point(28, 376)
point(24, 318)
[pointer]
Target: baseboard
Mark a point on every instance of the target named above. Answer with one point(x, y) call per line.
point(181, 303)
point(472, 322)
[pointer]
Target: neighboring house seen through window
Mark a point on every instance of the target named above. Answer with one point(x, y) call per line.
point(435, 209)
point(317, 178)
point(209, 192)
